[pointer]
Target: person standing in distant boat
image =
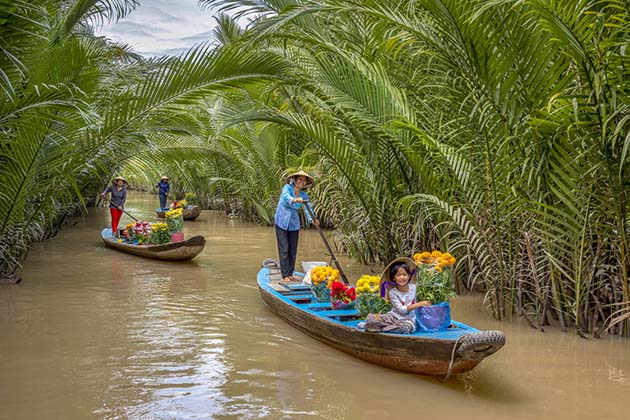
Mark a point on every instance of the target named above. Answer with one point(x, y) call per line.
point(118, 191)
point(163, 188)
point(287, 220)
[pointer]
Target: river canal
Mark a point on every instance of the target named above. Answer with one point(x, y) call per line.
point(92, 333)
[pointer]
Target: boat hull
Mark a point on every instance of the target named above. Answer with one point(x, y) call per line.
point(189, 214)
point(423, 354)
point(173, 251)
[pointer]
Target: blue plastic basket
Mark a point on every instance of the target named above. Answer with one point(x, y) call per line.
point(433, 318)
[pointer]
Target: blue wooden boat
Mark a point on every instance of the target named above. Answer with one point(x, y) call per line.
point(172, 251)
point(439, 354)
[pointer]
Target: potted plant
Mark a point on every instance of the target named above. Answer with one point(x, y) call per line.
point(175, 223)
point(140, 232)
point(434, 283)
point(321, 280)
point(160, 234)
point(369, 300)
point(342, 296)
point(191, 199)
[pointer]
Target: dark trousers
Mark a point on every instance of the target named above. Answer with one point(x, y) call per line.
point(287, 250)
point(162, 201)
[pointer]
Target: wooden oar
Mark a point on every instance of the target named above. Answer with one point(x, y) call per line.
point(124, 211)
point(321, 233)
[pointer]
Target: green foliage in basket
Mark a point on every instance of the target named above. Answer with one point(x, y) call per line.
point(160, 234)
point(191, 199)
point(321, 292)
point(371, 303)
point(175, 220)
point(434, 286)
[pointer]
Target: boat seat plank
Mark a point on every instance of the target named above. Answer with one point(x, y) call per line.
point(341, 312)
point(296, 286)
point(318, 305)
point(299, 297)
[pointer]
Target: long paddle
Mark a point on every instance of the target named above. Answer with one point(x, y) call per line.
point(321, 233)
point(125, 211)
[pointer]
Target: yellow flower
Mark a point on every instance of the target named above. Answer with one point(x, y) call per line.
point(368, 284)
point(174, 213)
point(326, 273)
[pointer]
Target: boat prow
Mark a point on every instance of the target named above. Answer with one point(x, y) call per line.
point(172, 251)
point(439, 354)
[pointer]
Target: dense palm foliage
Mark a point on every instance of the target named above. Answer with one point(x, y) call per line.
point(496, 129)
point(75, 106)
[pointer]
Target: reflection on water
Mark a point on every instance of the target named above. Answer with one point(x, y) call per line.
point(92, 333)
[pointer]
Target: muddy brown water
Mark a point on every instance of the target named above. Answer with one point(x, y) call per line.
point(92, 333)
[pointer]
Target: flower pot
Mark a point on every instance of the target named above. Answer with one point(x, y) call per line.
point(433, 318)
point(177, 237)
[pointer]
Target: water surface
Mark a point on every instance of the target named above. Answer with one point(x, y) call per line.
point(92, 333)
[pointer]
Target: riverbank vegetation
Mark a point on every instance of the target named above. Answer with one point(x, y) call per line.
point(496, 129)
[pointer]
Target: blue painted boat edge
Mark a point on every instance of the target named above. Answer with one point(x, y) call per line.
point(453, 334)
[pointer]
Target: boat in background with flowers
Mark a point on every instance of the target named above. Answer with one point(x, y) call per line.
point(440, 354)
point(190, 212)
point(167, 251)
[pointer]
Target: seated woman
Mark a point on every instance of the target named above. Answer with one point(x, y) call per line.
point(398, 288)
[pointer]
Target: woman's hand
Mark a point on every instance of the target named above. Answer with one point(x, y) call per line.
point(102, 194)
point(316, 222)
point(418, 305)
point(298, 200)
point(120, 207)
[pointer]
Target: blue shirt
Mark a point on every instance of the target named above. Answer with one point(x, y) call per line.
point(287, 216)
point(164, 187)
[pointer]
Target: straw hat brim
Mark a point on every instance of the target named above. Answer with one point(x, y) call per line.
point(121, 178)
point(410, 263)
point(309, 183)
point(164, 178)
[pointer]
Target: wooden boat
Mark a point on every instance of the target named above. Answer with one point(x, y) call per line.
point(173, 251)
point(439, 354)
point(189, 213)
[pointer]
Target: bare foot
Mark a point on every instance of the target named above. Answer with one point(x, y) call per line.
point(287, 280)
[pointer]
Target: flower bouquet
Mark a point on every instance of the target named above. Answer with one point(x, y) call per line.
point(175, 222)
point(342, 296)
point(140, 232)
point(321, 279)
point(368, 299)
point(181, 204)
point(433, 283)
point(159, 234)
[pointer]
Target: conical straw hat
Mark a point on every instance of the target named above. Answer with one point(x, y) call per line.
point(309, 179)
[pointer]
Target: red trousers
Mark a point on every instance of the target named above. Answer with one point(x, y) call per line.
point(116, 215)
